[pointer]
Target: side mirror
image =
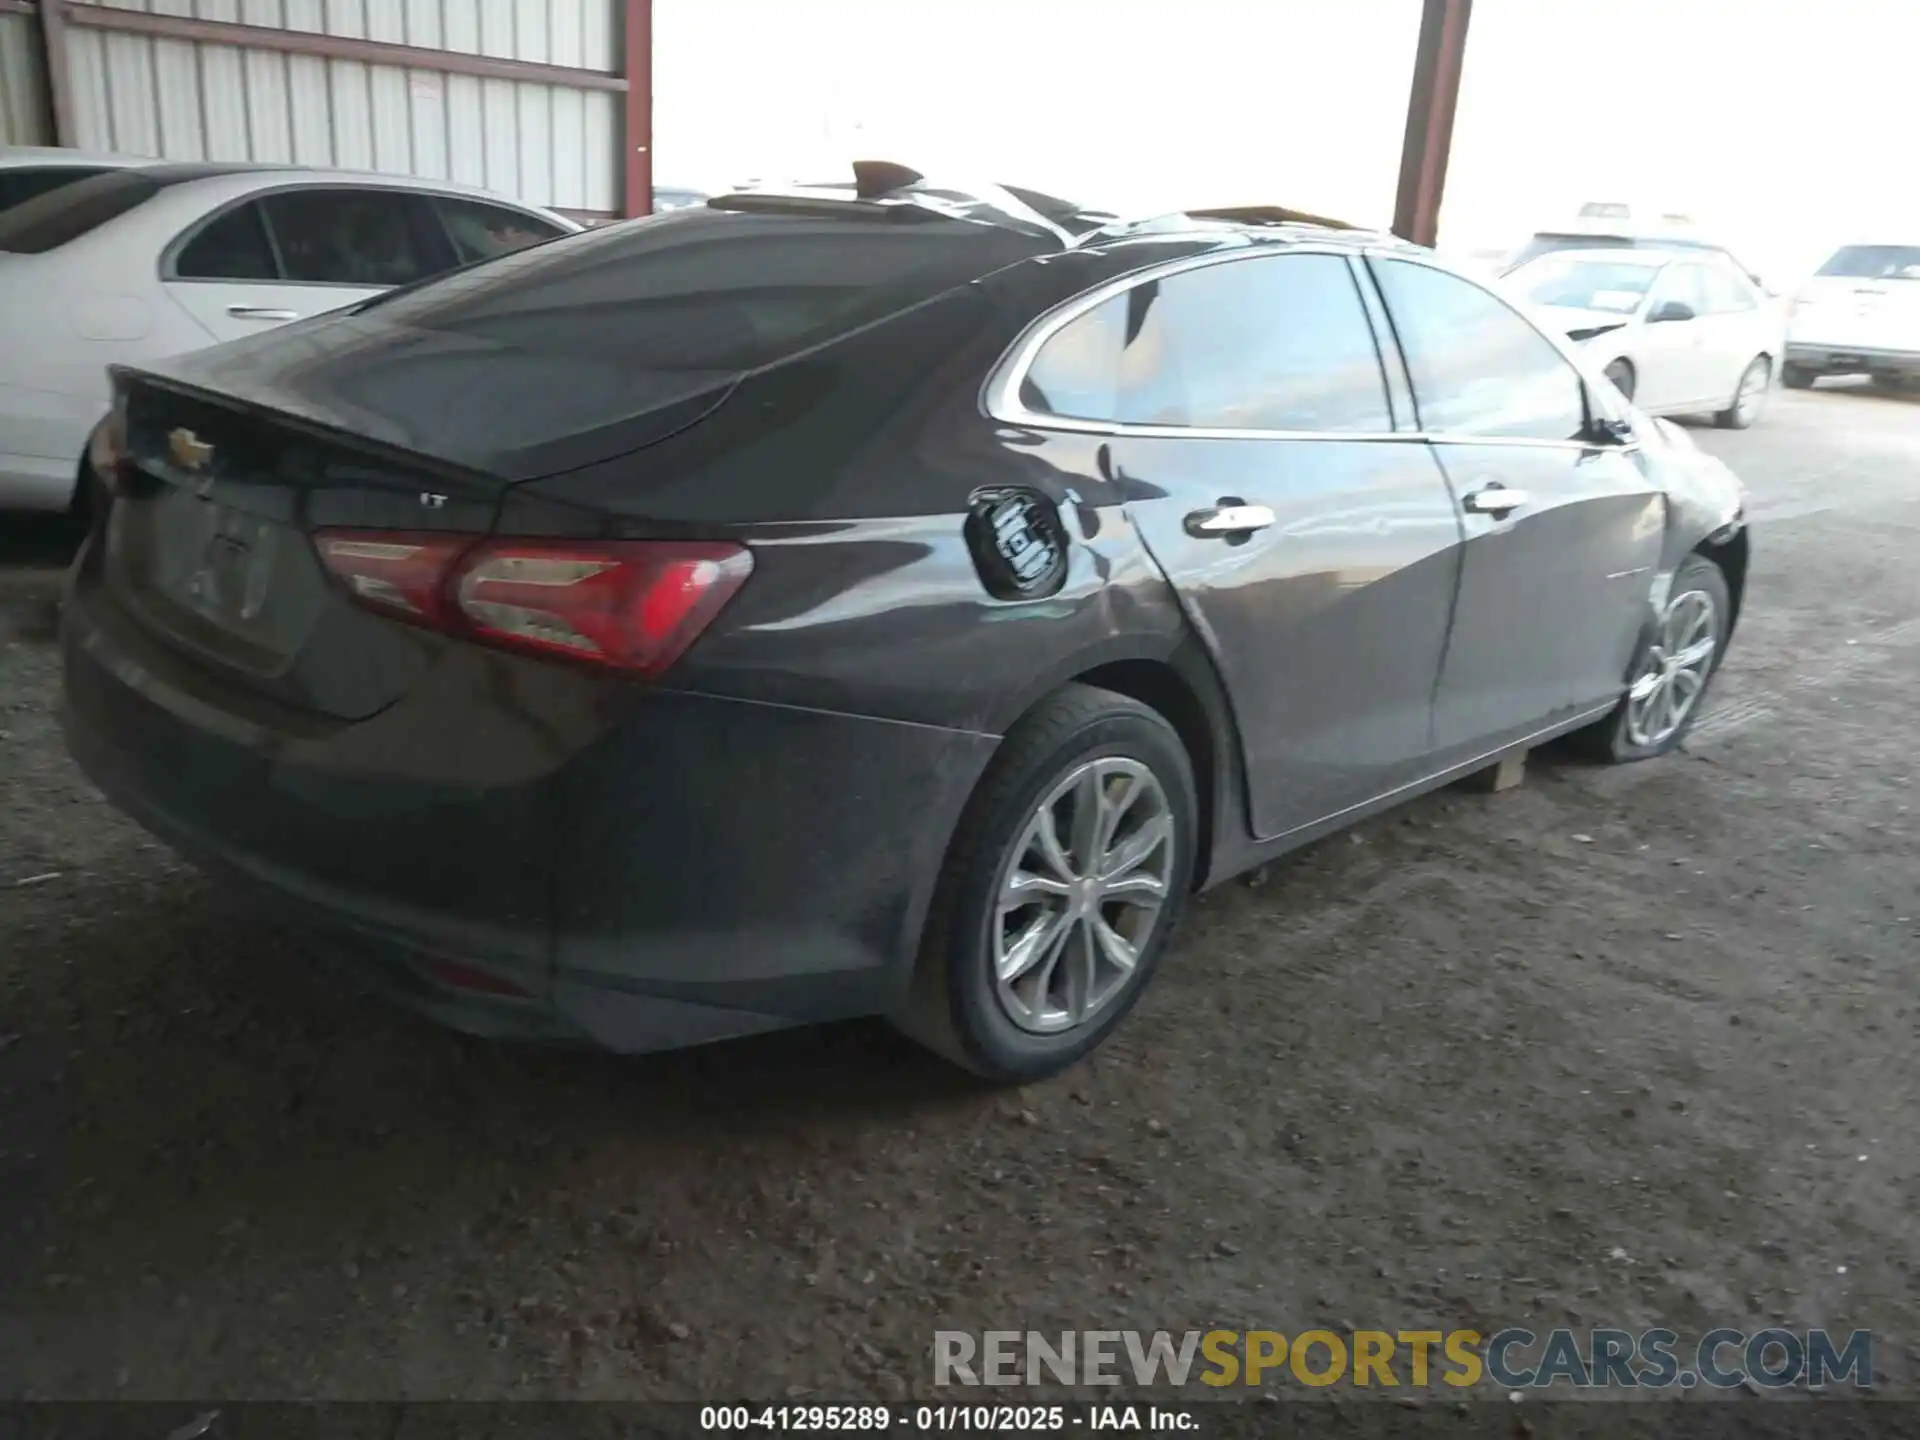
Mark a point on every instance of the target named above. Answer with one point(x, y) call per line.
point(1671, 310)
point(1605, 430)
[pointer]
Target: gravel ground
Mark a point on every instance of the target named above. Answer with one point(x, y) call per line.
point(1620, 1047)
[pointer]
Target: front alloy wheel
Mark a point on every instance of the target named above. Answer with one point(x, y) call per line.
point(1675, 672)
point(1672, 670)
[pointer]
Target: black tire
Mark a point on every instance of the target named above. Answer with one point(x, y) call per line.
point(1735, 418)
point(1623, 376)
point(1610, 739)
point(954, 1008)
point(1797, 377)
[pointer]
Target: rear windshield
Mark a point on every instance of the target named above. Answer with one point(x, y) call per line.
point(21, 183)
point(1875, 262)
point(49, 221)
point(703, 289)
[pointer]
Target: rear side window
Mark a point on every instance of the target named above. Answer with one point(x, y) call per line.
point(1683, 284)
point(61, 216)
point(1875, 262)
point(480, 231)
point(705, 289)
point(22, 183)
point(373, 238)
point(233, 246)
point(1280, 342)
point(1477, 367)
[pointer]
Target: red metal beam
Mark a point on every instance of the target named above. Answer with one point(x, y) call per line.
point(59, 72)
point(638, 130)
point(1436, 91)
point(326, 47)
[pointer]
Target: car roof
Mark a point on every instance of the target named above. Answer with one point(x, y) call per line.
point(1647, 257)
point(884, 190)
point(238, 178)
point(1625, 237)
point(161, 200)
point(13, 157)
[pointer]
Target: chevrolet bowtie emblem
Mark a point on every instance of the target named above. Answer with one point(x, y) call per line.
point(188, 450)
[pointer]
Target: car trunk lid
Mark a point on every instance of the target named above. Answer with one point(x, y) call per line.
point(208, 544)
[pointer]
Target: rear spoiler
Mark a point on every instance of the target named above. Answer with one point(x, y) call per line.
point(1269, 215)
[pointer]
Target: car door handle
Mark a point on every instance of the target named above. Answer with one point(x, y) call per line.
point(261, 312)
point(1496, 500)
point(1229, 520)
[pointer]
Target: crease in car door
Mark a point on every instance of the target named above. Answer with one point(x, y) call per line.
point(1316, 566)
point(1562, 536)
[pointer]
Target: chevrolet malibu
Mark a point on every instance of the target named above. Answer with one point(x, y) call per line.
point(880, 599)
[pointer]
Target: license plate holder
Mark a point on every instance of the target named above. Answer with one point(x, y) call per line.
point(219, 561)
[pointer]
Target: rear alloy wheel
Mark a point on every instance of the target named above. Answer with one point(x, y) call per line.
point(1672, 671)
point(1069, 870)
point(1750, 399)
point(1620, 372)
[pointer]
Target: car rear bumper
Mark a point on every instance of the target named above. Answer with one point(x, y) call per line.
point(42, 433)
point(30, 482)
point(1854, 360)
point(663, 869)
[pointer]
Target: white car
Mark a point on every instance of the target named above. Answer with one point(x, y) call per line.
point(1679, 332)
point(1859, 315)
point(148, 261)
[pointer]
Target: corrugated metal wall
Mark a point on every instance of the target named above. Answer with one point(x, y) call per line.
point(23, 96)
point(545, 144)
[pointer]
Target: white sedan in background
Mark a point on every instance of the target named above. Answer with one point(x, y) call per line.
point(142, 262)
point(1860, 315)
point(1679, 332)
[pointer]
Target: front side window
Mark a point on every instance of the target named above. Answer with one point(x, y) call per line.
point(1727, 290)
point(1682, 284)
point(1478, 368)
point(1278, 342)
point(480, 231)
point(373, 238)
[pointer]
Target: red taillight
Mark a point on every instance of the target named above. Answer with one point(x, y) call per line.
point(107, 450)
point(634, 605)
point(403, 575)
point(469, 977)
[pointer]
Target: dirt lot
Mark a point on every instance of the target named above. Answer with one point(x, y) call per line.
point(1621, 1047)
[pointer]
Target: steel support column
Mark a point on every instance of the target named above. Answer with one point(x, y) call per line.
point(638, 129)
point(58, 74)
point(1430, 106)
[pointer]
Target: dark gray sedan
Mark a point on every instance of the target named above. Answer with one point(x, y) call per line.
point(878, 599)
